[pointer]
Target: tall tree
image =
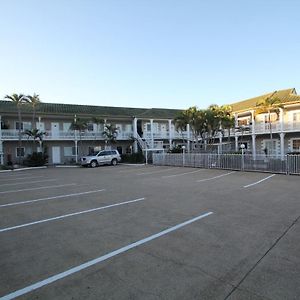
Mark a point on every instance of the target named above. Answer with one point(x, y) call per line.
point(98, 121)
point(268, 105)
point(34, 101)
point(110, 133)
point(18, 100)
point(36, 135)
point(79, 125)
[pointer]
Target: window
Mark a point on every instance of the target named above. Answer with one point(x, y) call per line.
point(90, 127)
point(19, 126)
point(270, 147)
point(23, 125)
point(66, 126)
point(70, 151)
point(20, 151)
point(296, 145)
point(296, 117)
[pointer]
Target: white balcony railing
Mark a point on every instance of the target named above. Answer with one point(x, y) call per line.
point(11, 134)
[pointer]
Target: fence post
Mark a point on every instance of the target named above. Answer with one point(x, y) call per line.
point(243, 157)
point(183, 156)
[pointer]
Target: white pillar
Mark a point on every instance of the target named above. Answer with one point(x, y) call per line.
point(236, 142)
point(235, 132)
point(188, 137)
point(281, 119)
point(1, 145)
point(220, 150)
point(170, 133)
point(254, 146)
point(135, 135)
point(75, 140)
point(282, 145)
point(151, 133)
point(253, 134)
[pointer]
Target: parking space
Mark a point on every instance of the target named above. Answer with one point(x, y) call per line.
point(148, 232)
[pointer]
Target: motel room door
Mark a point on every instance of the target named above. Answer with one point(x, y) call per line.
point(56, 155)
point(55, 129)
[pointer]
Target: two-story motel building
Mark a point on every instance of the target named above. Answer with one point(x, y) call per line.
point(255, 132)
point(151, 129)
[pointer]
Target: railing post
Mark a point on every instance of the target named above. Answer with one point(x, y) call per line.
point(243, 157)
point(1, 145)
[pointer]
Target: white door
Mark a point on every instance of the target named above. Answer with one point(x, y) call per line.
point(40, 126)
point(55, 129)
point(56, 155)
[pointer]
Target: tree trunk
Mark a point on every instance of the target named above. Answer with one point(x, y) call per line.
point(19, 135)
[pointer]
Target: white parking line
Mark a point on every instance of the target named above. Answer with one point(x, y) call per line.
point(97, 260)
point(257, 182)
point(70, 215)
point(206, 179)
point(50, 198)
point(10, 178)
point(136, 168)
point(148, 173)
point(26, 182)
point(167, 176)
point(38, 188)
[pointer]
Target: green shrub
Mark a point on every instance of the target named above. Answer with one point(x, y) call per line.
point(177, 149)
point(2, 167)
point(133, 158)
point(36, 159)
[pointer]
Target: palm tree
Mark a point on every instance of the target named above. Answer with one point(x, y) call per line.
point(110, 133)
point(98, 121)
point(18, 100)
point(35, 134)
point(79, 125)
point(33, 101)
point(268, 105)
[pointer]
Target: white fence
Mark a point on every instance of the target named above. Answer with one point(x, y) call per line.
point(262, 163)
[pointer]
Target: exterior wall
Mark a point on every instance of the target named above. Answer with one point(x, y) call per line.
point(61, 146)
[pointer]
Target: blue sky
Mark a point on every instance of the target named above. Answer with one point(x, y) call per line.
point(149, 53)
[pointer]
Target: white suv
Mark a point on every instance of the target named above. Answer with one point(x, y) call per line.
point(104, 157)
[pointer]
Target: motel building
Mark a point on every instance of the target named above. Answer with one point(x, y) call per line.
point(137, 128)
point(255, 131)
point(140, 128)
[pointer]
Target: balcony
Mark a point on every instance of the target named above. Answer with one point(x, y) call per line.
point(264, 128)
point(13, 135)
point(165, 135)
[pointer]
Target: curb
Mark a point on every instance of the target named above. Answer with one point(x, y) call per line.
point(23, 169)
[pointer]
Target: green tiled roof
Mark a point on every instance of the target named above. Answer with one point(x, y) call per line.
point(89, 110)
point(286, 96)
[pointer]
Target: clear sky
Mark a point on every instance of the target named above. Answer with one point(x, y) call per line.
point(149, 53)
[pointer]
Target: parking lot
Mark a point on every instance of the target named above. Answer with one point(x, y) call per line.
point(146, 232)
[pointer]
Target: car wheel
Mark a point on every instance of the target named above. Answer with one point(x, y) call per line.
point(94, 163)
point(114, 162)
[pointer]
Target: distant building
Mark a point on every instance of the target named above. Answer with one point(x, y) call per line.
point(254, 130)
point(150, 129)
point(140, 128)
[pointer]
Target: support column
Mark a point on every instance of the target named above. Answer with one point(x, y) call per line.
point(1, 145)
point(75, 140)
point(236, 142)
point(188, 138)
point(235, 132)
point(282, 145)
point(135, 135)
point(281, 119)
point(151, 133)
point(170, 133)
point(220, 150)
point(253, 134)
point(254, 146)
